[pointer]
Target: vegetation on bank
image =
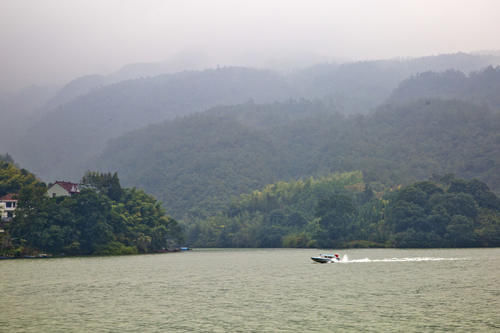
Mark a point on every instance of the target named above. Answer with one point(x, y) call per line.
point(341, 210)
point(195, 165)
point(448, 213)
point(338, 210)
point(12, 178)
point(434, 123)
point(102, 219)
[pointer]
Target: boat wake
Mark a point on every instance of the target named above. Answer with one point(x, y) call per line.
point(346, 260)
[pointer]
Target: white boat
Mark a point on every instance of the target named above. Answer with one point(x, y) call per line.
point(326, 258)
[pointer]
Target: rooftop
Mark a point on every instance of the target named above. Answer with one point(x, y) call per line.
point(68, 186)
point(9, 197)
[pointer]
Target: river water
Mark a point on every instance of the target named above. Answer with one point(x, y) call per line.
point(282, 290)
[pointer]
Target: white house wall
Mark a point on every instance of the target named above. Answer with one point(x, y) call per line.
point(6, 210)
point(3, 210)
point(57, 190)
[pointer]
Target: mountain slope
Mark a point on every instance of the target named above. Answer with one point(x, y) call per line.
point(196, 163)
point(359, 87)
point(480, 87)
point(89, 111)
point(58, 145)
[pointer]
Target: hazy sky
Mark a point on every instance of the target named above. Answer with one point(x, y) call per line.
point(56, 40)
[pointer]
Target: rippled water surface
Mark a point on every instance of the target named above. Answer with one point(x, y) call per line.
point(255, 291)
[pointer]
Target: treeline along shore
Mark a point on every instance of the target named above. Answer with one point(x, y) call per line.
point(339, 210)
point(397, 153)
point(98, 217)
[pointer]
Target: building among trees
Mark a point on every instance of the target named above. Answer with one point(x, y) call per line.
point(8, 205)
point(61, 188)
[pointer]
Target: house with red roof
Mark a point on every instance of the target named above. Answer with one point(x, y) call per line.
point(8, 205)
point(61, 188)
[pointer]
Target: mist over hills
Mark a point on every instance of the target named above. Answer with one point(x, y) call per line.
point(481, 87)
point(19, 111)
point(22, 109)
point(316, 81)
point(60, 143)
point(195, 164)
point(85, 84)
point(359, 87)
point(74, 126)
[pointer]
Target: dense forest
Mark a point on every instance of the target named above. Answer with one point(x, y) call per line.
point(103, 218)
point(12, 178)
point(60, 143)
point(345, 147)
point(194, 165)
point(341, 210)
point(58, 138)
point(479, 87)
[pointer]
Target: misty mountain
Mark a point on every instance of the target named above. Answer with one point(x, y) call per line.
point(182, 61)
point(343, 83)
point(359, 87)
point(89, 111)
point(58, 144)
point(481, 87)
point(85, 84)
point(75, 88)
point(197, 163)
point(19, 111)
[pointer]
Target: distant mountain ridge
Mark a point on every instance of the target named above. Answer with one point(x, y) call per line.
point(22, 109)
point(87, 83)
point(359, 87)
point(64, 139)
point(89, 111)
point(481, 87)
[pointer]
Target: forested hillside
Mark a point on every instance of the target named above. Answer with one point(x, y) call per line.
point(60, 144)
point(103, 218)
point(359, 87)
point(197, 140)
point(197, 163)
point(481, 87)
point(84, 84)
point(341, 210)
point(89, 110)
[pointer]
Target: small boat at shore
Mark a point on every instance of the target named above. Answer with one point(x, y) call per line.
point(326, 258)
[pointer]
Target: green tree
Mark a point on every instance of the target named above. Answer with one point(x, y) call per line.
point(91, 222)
point(460, 231)
point(336, 214)
point(106, 183)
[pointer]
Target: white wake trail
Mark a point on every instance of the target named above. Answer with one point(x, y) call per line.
point(345, 259)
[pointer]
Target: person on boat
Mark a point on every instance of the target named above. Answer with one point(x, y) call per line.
point(337, 256)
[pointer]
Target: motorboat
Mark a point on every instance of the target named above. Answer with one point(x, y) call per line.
point(326, 258)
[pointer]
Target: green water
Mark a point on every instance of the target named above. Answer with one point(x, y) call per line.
point(255, 291)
